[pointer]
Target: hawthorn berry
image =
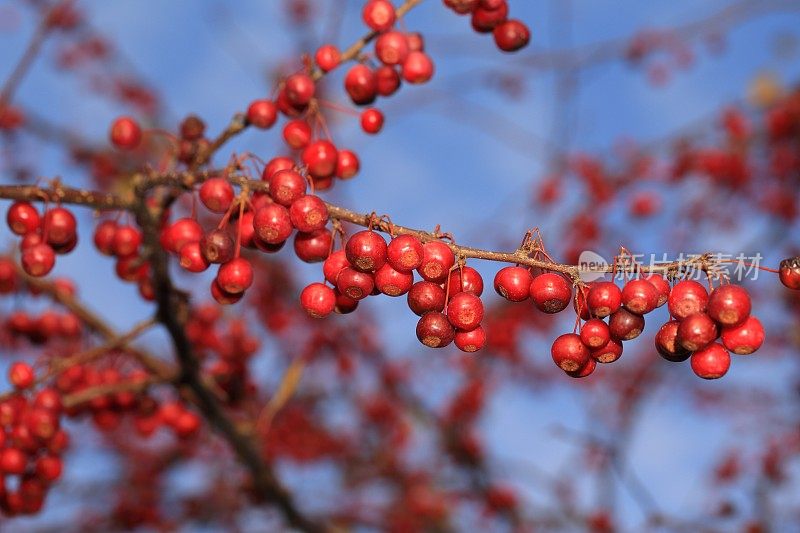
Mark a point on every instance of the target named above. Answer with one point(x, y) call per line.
point(262, 113)
point(235, 276)
point(729, 305)
point(405, 253)
point(595, 333)
point(48, 468)
point(126, 241)
point(639, 296)
point(511, 35)
point(585, 370)
point(21, 375)
point(13, 461)
point(192, 128)
point(125, 133)
point(286, 186)
point(104, 237)
point(23, 218)
point(38, 260)
point(299, 89)
point(217, 246)
point(484, 20)
point(696, 331)
point(624, 325)
point(711, 361)
point(192, 258)
point(513, 283)
point(789, 273)
point(347, 164)
point(361, 84)
point(550, 292)
point(59, 226)
point(313, 247)
point(687, 298)
point(387, 80)
point(465, 311)
point(417, 68)
point(391, 48)
point(667, 343)
point(393, 282)
point(569, 353)
point(223, 297)
point(378, 15)
point(354, 283)
point(603, 298)
point(216, 194)
point(297, 134)
point(371, 120)
point(465, 279)
point(327, 57)
point(181, 232)
point(470, 341)
point(662, 287)
point(744, 338)
point(608, 353)
point(437, 259)
point(366, 250)
point(344, 304)
point(426, 296)
point(274, 165)
point(320, 157)
point(335, 263)
point(272, 224)
point(434, 330)
point(308, 213)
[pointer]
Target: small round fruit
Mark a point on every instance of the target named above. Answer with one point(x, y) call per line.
point(262, 114)
point(417, 68)
point(426, 296)
point(355, 284)
point(366, 250)
point(624, 325)
point(569, 353)
point(585, 370)
point(465, 279)
point(729, 305)
point(711, 362)
point(639, 296)
point(465, 311)
point(38, 260)
point(216, 194)
point(299, 89)
point(662, 287)
point(687, 298)
point(789, 273)
point(327, 57)
point(59, 226)
point(308, 213)
point(603, 298)
point(392, 282)
point(23, 218)
point(273, 224)
point(318, 300)
point(347, 164)
point(744, 338)
point(286, 186)
point(696, 331)
point(550, 292)
point(434, 330)
point(361, 84)
point(379, 15)
point(470, 341)
point(667, 343)
point(335, 263)
point(405, 253)
point(125, 133)
point(595, 334)
point(313, 247)
point(511, 35)
point(104, 237)
point(513, 283)
point(437, 259)
point(608, 353)
point(371, 120)
point(320, 157)
point(235, 276)
point(21, 375)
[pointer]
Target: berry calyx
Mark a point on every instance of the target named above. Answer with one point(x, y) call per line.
point(366, 250)
point(308, 213)
point(405, 253)
point(465, 311)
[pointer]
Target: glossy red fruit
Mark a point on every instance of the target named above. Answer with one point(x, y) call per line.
point(465, 279)
point(192, 258)
point(320, 157)
point(126, 241)
point(313, 247)
point(391, 48)
point(662, 287)
point(667, 343)
point(366, 250)
point(262, 113)
point(318, 300)
point(361, 84)
point(274, 165)
point(550, 292)
point(21, 375)
point(513, 283)
point(181, 232)
point(585, 370)
point(687, 298)
point(327, 57)
point(639, 296)
point(299, 89)
point(379, 15)
point(485, 20)
point(217, 246)
point(603, 298)
point(221, 296)
point(335, 263)
point(104, 237)
point(347, 164)
point(744, 338)
point(371, 120)
point(569, 353)
point(38, 260)
point(59, 226)
point(417, 68)
point(13, 461)
point(470, 341)
point(355, 284)
point(393, 282)
point(437, 259)
point(273, 224)
point(387, 80)
point(595, 333)
point(23, 218)
point(789, 273)
point(125, 133)
point(624, 325)
point(729, 305)
point(711, 361)
point(405, 253)
point(434, 330)
point(286, 186)
point(608, 353)
point(48, 468)
point(297, 134)
point(235, 276)
point(511, 35)
point(425, 296)
point(465, 311)
point(308, 213)
point(696, 331)
point(216, 194)
point(344, 304)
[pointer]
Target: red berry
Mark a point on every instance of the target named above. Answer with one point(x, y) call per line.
point(59, 226)
point(426, 296)
point(125, 133)
point(744, 338)
point(272, 223)
point(297, 134)
point(470, 341)
point(335, 263)
point(696, 331)
point(624, 325)
point(23, 218)
point(299, 89)
point(179, 233)
point(38, 260)
point(366, 250)
point(274, 165)
point(667, 343)
point(729, 305)
point(513, 283)
point(262, 114)
point(48, 468)
point(569, 353)
point(608, 353)
point(320, 157)
point(192, 258)
point(286, 186)
point(344, 304)
point(308, 213)
point(387, 80)
point(711, 362)
point(392, 282)
point(511, 35)
point(417, 68)
point(288, 108)
point(104, 237)
point(416, 43)
point(465, 279)
point(434, 330)
point(391, 48)
point(585, 370)
point(371, 120)
point(355, 284)
point(361, 84)
point(221, 296)
point(347, 164)
point(13, 461)
point(405, 253)
point(687, 298)
point(437, 259)
point(313, 247)
point(192, 128)
point(790, 273)
point(327, 57)
point(126, 241)
point(603, 298)
point(465, 311)
point(318, 300)
point(21, 375)
point(217, 246)
point(550, 292)
point(662, 287)
point(379, 15)
point(485, 20)
point(216, 194)
point(235, 276)
point(639, 296)
point(595, 333)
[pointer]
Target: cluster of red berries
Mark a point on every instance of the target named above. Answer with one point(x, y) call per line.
point(31, 443)
point(124, 242)
point(43, 236)
point(491, 16)
point(49, 325)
